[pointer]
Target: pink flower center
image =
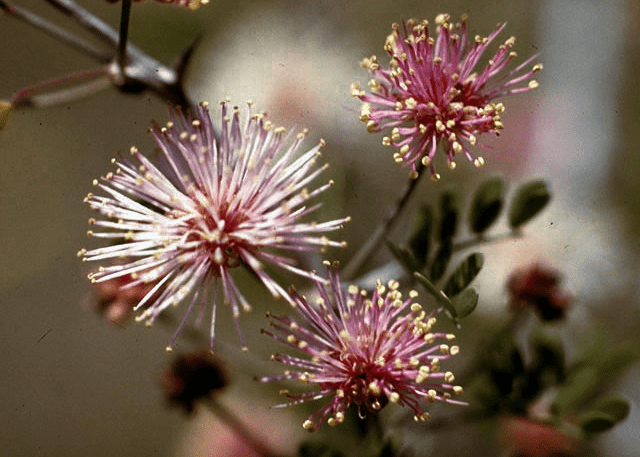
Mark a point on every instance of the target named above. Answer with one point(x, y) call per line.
point(219, 238)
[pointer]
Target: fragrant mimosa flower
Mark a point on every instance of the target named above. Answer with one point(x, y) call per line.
point(364, 351)
point(223, 200)
point(432, 93)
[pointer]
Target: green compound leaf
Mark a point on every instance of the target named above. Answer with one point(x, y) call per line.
point(487, 204)
point(419, 242)
point(406, 259)
point(465, 303)
point(464, 274)
point(438, 294)
point(530, 199)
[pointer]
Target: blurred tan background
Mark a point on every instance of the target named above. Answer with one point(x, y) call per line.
point(73, 385)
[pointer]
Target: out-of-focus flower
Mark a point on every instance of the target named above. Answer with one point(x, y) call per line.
point(432, 94)
point(192, 377)
point(115, 300)
point(538, 287)
point(524, 437)
point(226, 200)
point(364, 351)
point(193, 4)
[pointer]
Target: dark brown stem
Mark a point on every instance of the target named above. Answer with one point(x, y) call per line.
point(121, 54)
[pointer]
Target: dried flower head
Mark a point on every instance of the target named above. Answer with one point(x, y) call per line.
point(364, 351)
point(192, 377)
point(192, 4)
point(225, 200)
point(432, 94)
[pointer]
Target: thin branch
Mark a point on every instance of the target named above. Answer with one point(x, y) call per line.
point(70, 95)
point(55, 31)
point(98, 27)
point(142, 71)
point(239, 427)
point(133, 71)
point(121, 54)
point(26, 97)
point(87, 20)
point(485, 239)
point(362, 255)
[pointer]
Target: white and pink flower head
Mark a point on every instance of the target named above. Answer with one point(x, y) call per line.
point(223, 200)
point(364, 351)
point(432, 93)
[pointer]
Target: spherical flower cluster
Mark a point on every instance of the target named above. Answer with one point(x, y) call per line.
point(363, 351)
point(223, 200)
point(432, 94)
point(193, 4)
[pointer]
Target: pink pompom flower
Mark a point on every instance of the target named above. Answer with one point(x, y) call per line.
point(433, 92)
point(223, 200)
point(363, 351)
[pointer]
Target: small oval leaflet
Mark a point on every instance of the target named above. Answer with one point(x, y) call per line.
point(614, 405)
point(530, 199)
point(486, 205)
point(465, 302)
point(449, 207)
point(439, 264)
point(596, 422)
point(464, 274)
point(420, 239)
